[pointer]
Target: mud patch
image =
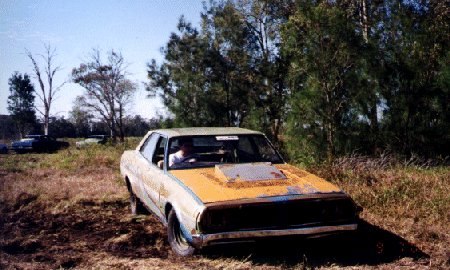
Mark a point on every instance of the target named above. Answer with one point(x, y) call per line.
point(21, 246)
point(62, 240)
point(70, 262)
point(43, 258)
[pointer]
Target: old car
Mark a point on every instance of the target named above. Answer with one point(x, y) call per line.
point(3, 148)
point(92, 140)
point(222, 185)
point(38, 143)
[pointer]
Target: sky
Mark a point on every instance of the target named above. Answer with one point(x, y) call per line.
point(74, 27)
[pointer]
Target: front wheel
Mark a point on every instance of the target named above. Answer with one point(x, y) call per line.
point(177, 240)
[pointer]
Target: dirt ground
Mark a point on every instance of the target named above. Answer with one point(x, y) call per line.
point(102, 234)
point(77, 217)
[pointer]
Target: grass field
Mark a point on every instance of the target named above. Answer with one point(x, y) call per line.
point(70, 210)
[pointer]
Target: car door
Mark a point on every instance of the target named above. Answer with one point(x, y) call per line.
point(41, 144)
point(158, 160)
point(151, 174)
point(50, 144)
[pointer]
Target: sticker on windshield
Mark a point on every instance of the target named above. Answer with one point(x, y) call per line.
point(227, 138)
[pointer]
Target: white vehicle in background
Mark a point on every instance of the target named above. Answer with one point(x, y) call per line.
point(93, 139)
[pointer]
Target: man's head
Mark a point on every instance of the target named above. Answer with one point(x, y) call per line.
point(185, 145)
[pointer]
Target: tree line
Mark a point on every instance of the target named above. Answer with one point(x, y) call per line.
point(101, 109)
point(321, 78)
point(78, 126)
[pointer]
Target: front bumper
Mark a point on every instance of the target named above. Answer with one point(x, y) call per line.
point(201, 240)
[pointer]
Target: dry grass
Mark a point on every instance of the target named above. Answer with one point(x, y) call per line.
point(409, 197)
point(70, 210)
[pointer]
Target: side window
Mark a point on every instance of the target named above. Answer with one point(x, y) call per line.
point(265, 150)
point(149, 147)
point(158, 155)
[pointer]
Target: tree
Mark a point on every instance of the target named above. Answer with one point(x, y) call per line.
point(416, 115)
point(233, 47)
point(185, 82)
point(61, 127)
point(228, 73)
point(21, 102)
point(46, 82)
point(326, 77)
point(81, 119)
point(324, 66)
point(263, 20)
point(107, 90)
point(9, 128)
point(138, 126)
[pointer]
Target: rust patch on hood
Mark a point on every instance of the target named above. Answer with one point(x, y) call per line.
point(210, 188)
point(253, 172)
point(237, 183)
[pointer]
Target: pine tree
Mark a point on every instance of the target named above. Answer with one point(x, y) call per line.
point(21, 102)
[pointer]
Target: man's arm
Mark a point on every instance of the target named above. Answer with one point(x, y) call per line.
point(190, 158)
point(171, 160)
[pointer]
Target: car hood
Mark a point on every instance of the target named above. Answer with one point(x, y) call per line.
point(211, 185)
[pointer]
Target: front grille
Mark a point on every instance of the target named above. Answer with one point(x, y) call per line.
point(278, 215)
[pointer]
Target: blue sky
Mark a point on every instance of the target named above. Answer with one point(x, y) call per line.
point(137, 28)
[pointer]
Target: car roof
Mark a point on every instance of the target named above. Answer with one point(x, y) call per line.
point(35, 136)
point(196, 131)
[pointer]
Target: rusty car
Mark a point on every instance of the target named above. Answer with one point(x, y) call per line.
point(233, 187)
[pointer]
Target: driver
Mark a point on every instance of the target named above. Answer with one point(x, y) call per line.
point(184, 154)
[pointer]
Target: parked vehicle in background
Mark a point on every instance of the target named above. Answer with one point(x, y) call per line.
point(38, 143)
point(229, 185)
point(93, 139)
point(3, 148)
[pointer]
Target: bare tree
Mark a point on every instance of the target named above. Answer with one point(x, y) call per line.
point(107, 90)
point(46, 80)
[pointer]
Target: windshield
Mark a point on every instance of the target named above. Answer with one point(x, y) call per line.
point(205, 151)
point(33, 136)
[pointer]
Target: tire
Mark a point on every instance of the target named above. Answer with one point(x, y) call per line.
point(177, 241)
point(136, 206)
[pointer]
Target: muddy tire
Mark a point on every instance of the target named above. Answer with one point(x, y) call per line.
point(177, 241)
point(137, 208)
